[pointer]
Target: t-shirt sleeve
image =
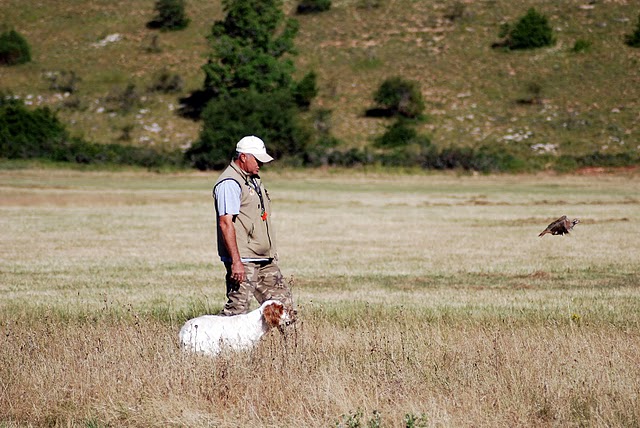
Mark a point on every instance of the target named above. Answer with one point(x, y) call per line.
point(227, 197)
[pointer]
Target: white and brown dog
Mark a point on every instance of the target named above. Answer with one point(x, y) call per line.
point(209, 334)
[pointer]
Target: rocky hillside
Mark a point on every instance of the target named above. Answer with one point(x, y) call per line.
point(97, 64)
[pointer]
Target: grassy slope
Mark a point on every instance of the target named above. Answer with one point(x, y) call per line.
point(590, 100)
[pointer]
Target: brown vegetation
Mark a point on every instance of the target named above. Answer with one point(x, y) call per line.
point(465, 321)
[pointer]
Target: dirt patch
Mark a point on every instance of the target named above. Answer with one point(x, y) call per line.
point(539, 274)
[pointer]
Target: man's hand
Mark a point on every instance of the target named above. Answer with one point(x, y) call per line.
point(237, 271)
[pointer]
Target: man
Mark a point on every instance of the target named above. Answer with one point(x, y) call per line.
point(246, 239)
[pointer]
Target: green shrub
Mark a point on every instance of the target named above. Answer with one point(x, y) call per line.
point(530, 32)
point(154, 45)
point(413, 421)
point(400, 97)
point(403, 146)
point(26, 134)
point(305, 90)
point(123, 100)
point(321, 153)
point(170, 16)
point(421, 153)
point(116, 154)
point(398, 134)
point(369, 4)
point(565, 163)
point(271, 116)
point(166, 82)
point(633, 39)
point(483, 159)
point(14, 49)
point(598, 158)
point(581, 46)
point(350, 158)
point(313, 6)
point(534, 94)
point(29, 134)
point(456, 11)
point(63, 81)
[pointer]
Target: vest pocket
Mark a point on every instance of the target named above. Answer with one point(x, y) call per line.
point(250, 233)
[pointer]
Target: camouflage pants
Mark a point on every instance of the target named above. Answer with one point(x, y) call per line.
point(263, 280)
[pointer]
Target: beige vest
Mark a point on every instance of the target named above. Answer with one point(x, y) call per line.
point(254, 233)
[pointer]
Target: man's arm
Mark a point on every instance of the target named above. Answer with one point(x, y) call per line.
point(229, 237)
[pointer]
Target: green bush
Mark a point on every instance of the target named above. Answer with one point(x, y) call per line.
point(271, 116)
point(403, 146)
point(313, 6)
point(123, 100)
point(116, 154)
point(14, 49)
point(565, 163)
point(456, 11)
point(350, 158)
point(166, 82)
point(598, 158)
point(63, 81)
point(306, 90)
point(530, 32)
point(26, 134)
point(581, 46)
point(400, 97)
point(170, 16)
point(398, 134)
point(633, 39)
point(29, 134)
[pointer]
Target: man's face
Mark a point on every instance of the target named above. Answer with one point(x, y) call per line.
point(249, 163)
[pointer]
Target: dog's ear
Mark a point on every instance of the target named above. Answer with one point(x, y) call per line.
point(273, 313)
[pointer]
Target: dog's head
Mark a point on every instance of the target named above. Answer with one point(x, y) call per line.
point(277, 314)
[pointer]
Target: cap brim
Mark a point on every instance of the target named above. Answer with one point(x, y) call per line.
point(263, 157)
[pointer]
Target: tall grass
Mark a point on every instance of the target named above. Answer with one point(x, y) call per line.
point(423, 299)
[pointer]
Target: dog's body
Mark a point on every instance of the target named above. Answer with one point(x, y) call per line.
point(209, 334)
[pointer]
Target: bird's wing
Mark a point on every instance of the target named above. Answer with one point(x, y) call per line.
point(556, 226)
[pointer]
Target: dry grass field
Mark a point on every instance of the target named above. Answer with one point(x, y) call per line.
point(424, 300)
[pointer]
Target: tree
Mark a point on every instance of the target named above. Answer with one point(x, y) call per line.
point(170, 16)
point(249, 49)
point(248, 87)
point(272, 116)
point(14, 49)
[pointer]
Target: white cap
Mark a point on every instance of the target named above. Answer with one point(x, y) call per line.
point(254, 146)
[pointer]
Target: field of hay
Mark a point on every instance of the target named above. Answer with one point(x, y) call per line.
point(424, 300)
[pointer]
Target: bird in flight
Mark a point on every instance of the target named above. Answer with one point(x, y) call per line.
point(560, 226)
